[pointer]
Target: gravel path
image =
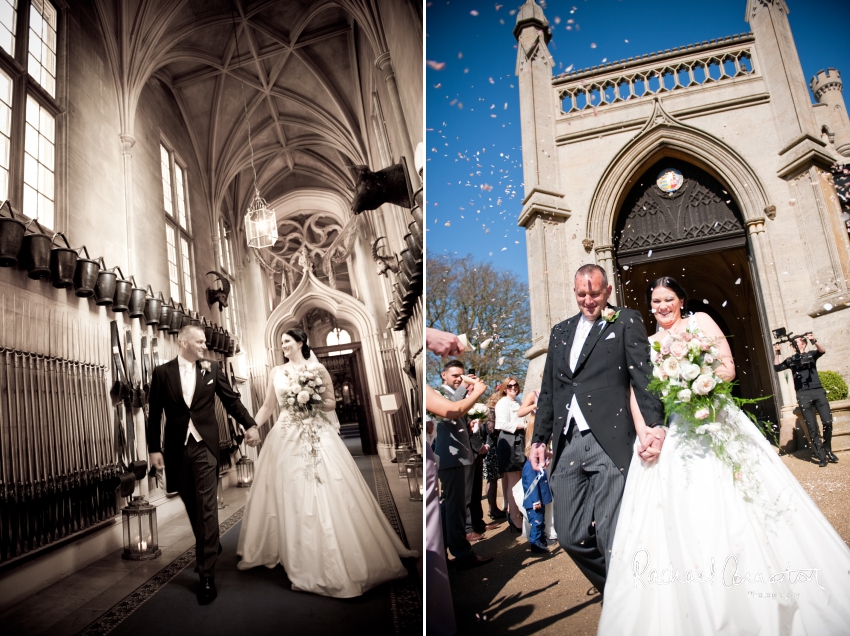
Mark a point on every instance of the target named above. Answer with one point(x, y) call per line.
point(521, 593)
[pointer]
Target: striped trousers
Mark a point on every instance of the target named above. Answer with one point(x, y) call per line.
point(587, 488)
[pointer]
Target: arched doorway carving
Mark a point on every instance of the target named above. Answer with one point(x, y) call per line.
point(678, 220)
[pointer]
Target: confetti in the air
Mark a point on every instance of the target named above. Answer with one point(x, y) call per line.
point(473, 12)
point(827, 306)
point(437, 66)
point(738, 282)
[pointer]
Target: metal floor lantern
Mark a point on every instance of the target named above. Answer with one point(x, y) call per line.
point(141, 542)
point(402, 454)
point(414, 478)
point(244, 472)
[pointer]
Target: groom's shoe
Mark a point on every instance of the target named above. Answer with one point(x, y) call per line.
point(207, 593)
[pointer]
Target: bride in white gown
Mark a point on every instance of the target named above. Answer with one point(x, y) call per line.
point(313, 512)
point(692, 555)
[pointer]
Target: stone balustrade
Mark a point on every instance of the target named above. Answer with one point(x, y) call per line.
point(669, 71)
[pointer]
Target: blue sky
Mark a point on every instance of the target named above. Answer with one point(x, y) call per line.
point(474, 169)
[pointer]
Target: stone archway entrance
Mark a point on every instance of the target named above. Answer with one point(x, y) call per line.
point(345, 365)
point(679, 221)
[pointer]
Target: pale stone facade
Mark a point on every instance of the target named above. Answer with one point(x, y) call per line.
point(735, 112)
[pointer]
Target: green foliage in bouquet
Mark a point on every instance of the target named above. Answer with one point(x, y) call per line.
point(834, 385)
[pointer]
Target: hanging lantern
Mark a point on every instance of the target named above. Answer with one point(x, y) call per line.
point(244, 472)
point(260, 223)
point(414, 477)
point(402, 454)
point(220, 496)
point(141, 542)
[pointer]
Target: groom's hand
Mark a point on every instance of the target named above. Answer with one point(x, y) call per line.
point(157, 461)
point(252, 436)
point(538, 456)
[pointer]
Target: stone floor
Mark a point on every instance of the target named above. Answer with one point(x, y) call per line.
point(72, 603)
point(521, 593)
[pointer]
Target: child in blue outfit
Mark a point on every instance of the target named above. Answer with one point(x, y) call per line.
point(536, 495)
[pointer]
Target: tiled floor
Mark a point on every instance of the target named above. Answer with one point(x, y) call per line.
point(72, 603)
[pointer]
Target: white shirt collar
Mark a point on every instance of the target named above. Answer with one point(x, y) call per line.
point(184, 363)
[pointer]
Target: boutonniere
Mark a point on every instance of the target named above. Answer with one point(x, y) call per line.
point(609, 315)
point(205, 367)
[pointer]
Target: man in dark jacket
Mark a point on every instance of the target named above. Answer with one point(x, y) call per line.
point(184, 389)
point(593, 360)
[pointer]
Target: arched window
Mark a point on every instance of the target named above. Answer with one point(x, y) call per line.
point(338, 337)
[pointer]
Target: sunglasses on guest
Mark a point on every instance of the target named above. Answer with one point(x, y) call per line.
point(512, 386)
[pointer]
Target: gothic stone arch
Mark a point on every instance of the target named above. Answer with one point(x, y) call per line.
point(349, 312)
point(665, 136)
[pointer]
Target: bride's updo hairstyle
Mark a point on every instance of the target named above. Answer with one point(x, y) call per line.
point(669, 283)
point(299, 336)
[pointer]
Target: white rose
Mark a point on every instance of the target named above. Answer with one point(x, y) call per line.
point(290, 401)
point(671, 367)
point(702, 413)
point(708, 359)
point(704, 384)
point(684, 395)
point(321, 389)
point(303, 397)
point(658, 372)
point(317, 398)
point(689, 371)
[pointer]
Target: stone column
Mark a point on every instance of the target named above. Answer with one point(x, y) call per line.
point(778, 62)
point(384, 63)
point(768, 283)
point(544, 208)
point(127, 143)
point(605, 260)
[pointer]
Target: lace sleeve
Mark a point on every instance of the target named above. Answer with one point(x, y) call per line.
point(328, 397)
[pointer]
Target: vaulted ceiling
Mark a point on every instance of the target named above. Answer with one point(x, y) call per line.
point(291, 64)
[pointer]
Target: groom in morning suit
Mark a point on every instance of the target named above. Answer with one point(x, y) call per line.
point(584, 405)
point(185, 389)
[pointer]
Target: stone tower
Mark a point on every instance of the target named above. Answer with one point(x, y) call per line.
point(826, 87)
point(544, 206)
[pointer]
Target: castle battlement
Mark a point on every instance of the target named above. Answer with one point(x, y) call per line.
point(827, 80)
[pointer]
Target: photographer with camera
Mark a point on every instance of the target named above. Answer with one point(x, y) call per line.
point(810, 392)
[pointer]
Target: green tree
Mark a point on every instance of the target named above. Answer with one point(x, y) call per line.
point(469, 297)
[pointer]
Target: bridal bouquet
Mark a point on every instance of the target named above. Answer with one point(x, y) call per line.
point(684, 378)
point(301, 394)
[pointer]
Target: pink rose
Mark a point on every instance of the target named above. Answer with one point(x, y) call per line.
point(679, 349)
point(702, 413)
point(687, 336)
point(708, 359)
point(705, 346)
point(665, 349)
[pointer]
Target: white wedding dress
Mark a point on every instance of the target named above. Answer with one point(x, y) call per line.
point(329, 533)
point(692, 556)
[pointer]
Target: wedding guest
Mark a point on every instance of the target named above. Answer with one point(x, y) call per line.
point(478, 440)
point(511, 445)
point(455, 455)
point(491, 461)
point(536, 492)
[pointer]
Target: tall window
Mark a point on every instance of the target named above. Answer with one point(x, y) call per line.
point(42, 45)
point(28, 103)
point(5, 131)
point(8, 21)
point(177, 237)
point(339, 337)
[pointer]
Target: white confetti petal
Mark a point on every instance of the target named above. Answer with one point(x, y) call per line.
point(738, 282)
point(827, 306)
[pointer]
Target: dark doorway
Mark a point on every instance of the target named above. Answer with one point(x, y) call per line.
point(345, 365)
point(695, 234)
